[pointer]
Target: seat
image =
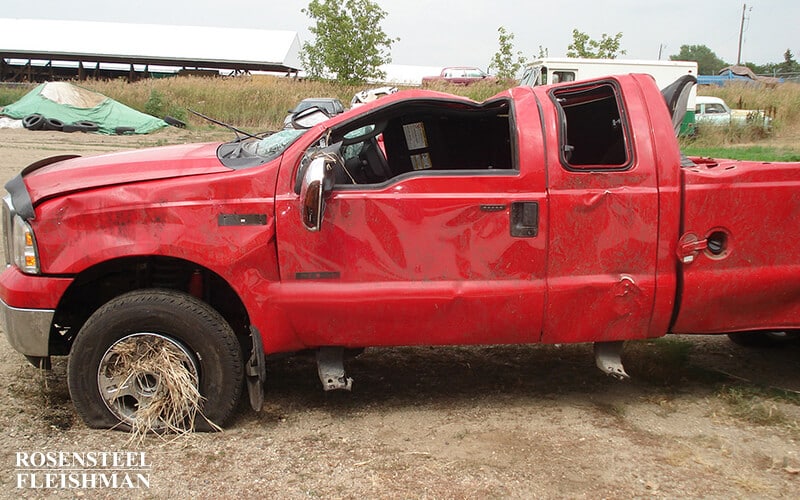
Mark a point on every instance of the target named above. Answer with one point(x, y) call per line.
point(375, 167)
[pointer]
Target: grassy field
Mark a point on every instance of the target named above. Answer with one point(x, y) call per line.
point(782, 143)
point(255, 102)
point(259, 103)
point(757, 153)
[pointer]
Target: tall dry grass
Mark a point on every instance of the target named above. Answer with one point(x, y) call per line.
point(780, 140)
point(253, 102)
point(781, 101)
point(259, 103)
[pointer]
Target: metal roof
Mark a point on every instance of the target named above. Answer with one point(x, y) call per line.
point(181, 46)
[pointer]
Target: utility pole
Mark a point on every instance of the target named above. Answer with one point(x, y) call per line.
point(741, 32)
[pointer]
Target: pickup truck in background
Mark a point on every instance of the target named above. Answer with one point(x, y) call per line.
point(715, 111)
point(548, 214)
point(459, 75)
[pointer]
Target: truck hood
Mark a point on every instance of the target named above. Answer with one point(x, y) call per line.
point(60, 176)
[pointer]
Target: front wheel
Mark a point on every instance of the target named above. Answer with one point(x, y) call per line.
point(155, 360)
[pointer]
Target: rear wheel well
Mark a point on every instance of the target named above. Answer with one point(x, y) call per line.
point(100, 284)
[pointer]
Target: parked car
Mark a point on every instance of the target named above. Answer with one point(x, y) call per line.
point(330, 105)
point(459, 75)
point(716, 111)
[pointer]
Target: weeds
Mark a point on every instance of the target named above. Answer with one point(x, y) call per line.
point(477, 91)
point(615, 410)
point(666, 361)
point(53, 398)
point(781, 101)
point(12, 92)
point(261, 102)
point(749, 404)
point(255, 102)
point(754, 153)
point(726, 135)
point(157, 105)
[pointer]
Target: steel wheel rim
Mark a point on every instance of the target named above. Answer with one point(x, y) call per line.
point(126, 388)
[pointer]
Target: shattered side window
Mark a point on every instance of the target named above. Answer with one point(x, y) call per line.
point(427, 137)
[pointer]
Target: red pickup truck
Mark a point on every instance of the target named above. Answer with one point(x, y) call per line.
point(552, 214)
point(459, 75)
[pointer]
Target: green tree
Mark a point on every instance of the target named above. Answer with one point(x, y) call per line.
point(761, 69)
point(543, 52)
point(707, 61)
point(606, 48)
point(349, 44)
point(789, 65)
point(505, 64)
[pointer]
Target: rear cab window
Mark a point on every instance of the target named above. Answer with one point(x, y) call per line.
point(593, 132)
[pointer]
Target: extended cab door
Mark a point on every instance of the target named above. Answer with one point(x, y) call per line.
point(431, 234)
point(604, 214)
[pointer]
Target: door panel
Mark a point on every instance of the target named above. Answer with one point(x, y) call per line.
point(601, 273)
point(604, 217)
point(427, 260)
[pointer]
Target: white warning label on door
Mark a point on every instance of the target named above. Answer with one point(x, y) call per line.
point(421, 161)
point(415, 135)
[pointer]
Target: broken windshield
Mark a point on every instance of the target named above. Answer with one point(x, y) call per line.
point(252, 152)
point(272, 145)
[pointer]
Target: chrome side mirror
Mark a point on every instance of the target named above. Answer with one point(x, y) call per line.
point(312, 194)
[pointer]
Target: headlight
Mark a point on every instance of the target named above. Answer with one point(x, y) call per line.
point(23, 247)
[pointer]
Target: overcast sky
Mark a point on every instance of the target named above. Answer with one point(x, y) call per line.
point(464, 32)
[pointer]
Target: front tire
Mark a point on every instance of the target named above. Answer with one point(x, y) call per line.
point(109, 389)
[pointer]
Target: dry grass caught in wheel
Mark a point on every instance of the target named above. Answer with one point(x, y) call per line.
point(176, 401)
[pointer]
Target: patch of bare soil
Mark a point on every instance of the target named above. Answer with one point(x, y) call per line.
point(700, 418)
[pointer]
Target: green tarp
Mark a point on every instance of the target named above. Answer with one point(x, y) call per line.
point(70, 104)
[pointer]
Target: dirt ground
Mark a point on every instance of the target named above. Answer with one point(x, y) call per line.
point(700, 418)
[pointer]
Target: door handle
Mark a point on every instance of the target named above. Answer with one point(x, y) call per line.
point(525, 219)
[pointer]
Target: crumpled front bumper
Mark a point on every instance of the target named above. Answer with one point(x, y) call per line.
point(27, 330)
point(27, 308)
